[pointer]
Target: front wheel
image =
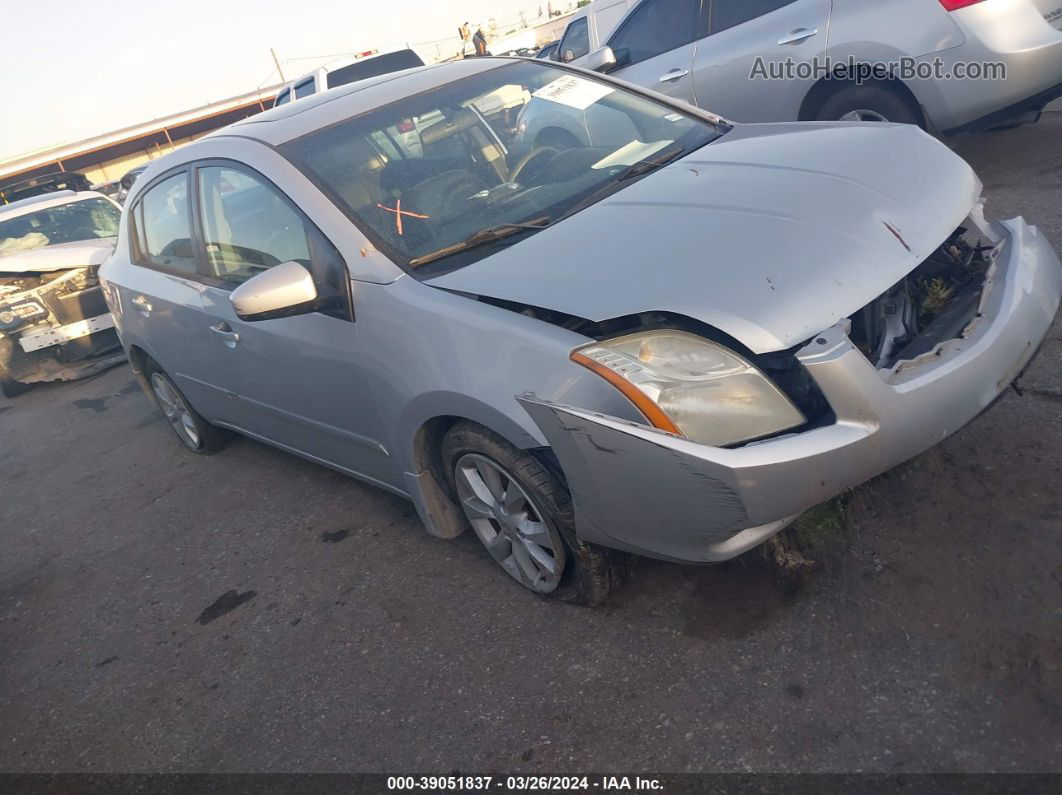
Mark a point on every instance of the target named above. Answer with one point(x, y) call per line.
point(523, 515)
point(195, 433)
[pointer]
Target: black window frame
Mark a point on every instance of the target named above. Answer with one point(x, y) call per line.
point(203, 274)
point(700, 27)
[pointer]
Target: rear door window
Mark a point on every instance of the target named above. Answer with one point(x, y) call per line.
point(728, 14)
point(165, 227)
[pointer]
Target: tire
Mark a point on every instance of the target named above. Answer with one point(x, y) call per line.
point(187, 424)
point(871, 103)
point(541, 514)
point(9, 387)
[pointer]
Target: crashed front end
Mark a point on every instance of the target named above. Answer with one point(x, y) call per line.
point(54, 325)
point(892, 394)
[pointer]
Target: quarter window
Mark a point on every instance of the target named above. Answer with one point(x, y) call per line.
point(727, 14)
point(247, 226)
point(166, 228)
point(656, 27)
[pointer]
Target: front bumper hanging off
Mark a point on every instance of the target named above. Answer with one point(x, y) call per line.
point(649, 492)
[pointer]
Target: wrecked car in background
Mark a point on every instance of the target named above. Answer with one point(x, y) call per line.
point(54, 323)
point(670, 344)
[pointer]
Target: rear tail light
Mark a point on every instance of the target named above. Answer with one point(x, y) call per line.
point(955, 5)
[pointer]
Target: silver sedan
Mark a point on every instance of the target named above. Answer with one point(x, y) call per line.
point(668, 342)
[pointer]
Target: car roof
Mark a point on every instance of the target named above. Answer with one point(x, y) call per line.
point(292, 120)
point(44, 201)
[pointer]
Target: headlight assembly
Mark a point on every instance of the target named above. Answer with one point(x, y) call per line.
point(693, 387)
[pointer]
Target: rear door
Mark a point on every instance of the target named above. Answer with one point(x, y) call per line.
point(748, 38)
point(299, 382)
point(160, 297)
point(656, 46)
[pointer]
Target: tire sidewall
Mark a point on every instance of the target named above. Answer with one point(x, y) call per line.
point(895, 108)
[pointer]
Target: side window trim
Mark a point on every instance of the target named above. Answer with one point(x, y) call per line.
point(138, 256)
point(312, 230)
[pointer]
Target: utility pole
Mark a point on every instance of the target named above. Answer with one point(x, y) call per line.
point(277, 62)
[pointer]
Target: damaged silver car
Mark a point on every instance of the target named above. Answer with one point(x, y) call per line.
point(54, 322)
point(670, 344)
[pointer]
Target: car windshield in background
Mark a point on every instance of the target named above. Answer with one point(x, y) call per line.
point(451, 174)
point(90, 219)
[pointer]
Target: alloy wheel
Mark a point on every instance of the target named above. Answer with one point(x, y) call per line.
point(863, 115)
point(509, 523)
point(176, 411)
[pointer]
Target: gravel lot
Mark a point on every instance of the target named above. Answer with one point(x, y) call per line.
point(929, 639)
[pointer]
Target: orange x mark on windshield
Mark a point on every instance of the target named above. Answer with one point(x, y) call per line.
point(399, 212)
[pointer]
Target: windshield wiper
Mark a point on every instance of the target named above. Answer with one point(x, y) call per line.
point(480, 238)
point(659, 160)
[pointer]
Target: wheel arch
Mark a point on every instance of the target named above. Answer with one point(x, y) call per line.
point(819, 94)
point(427, 480)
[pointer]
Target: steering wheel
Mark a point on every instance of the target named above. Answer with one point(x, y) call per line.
point(518, 169)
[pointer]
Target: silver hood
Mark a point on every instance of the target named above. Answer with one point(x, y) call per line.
point(771, 234)
point(60, 257)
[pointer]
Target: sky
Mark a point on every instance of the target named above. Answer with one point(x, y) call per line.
point(85, 68)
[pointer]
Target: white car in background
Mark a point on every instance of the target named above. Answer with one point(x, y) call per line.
point(361, 66)
point(54, 322)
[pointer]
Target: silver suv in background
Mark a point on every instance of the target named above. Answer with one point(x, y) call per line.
point(705, 52)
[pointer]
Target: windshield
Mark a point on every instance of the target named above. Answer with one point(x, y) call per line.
point(425, 177)
point(89, 219)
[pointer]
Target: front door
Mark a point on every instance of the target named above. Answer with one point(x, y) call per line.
point(657, 44)
point(746, 40)
point(299, 382)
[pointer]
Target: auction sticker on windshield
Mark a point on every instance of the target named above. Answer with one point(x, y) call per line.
point(575, 92)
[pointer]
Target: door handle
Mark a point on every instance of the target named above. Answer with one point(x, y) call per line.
point(799, 35)
point(224, 332)
point(142, 305)
point(673, 75)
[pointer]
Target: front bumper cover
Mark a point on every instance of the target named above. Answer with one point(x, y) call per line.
point(645, 491)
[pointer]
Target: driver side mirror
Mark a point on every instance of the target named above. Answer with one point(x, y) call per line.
point(602, 60)
point(568, 56)
point(282, 291)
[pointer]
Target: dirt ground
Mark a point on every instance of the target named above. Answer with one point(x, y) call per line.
point(254, 612)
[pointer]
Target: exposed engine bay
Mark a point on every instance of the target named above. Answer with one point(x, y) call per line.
point(932, 304)
point(53, 326)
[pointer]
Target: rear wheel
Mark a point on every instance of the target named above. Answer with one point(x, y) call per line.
point(195, 433)
point(870, 103)
point(522, 513)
